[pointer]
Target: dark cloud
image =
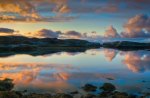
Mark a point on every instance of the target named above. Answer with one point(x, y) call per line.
point(92, 36)
point(44, 33)
point(73, 34)
point(6, 30)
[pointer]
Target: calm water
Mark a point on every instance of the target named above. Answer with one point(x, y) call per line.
point(65, 72)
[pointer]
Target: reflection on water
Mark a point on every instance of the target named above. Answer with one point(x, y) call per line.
point(110, 54)
point(68, 71)
point(137, 61)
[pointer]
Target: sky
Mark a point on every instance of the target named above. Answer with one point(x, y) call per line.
point(76, 18)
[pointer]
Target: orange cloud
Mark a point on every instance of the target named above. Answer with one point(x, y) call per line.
point(138, 26)
point(111, 32)
point(27, 11)
point(23, 8)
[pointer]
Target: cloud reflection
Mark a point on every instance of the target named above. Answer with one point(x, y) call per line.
point(136, 61)
point(46, 77)
point(110, 54)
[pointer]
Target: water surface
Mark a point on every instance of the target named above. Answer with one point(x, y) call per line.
point(64, 72)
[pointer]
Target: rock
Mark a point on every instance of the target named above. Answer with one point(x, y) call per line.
point(120, 95)
point(37, 96)
point(145, 95)
point(143, 81)
point(105, 94)
point(9, 94)
point(18, 93)
point(89, 87)
point(116, 94)
point(6, 85)
point(132, 96)
point(62, 95)
point(75, 92)
point(108, 87)
point(89, 96)
point(109, 78)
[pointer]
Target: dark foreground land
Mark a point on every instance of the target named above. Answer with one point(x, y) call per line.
point(108, 90)
point(127, 45)
point(10, 45)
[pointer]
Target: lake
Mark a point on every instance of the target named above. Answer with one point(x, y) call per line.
point(65, 72)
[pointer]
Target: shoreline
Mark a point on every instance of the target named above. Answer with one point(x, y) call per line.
point(108, 90)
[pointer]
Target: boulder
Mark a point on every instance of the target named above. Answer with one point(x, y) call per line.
point(108, 87)
point(89, 87)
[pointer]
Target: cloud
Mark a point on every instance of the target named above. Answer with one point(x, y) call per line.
point(7, 18)
point(44, 33)
point(7, 30)
point(73, 35)
point(62, 9)
point(111, 32)
point(138, 26)
point(12, 19)
point(28, 11)
point(92, 36)
point(23, 8)
point(108, 9)
point(16, 10)
point(47, 33)
point(49, 10)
